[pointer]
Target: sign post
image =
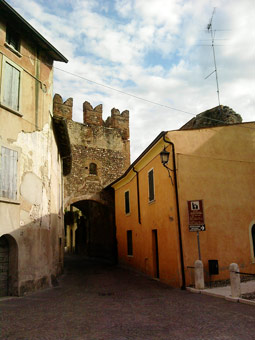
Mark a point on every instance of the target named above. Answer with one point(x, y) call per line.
point(196, 220)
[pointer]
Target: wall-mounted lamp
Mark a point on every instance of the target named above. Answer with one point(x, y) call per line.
point(164, 156)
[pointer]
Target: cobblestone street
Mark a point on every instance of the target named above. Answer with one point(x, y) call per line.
point(99, 301)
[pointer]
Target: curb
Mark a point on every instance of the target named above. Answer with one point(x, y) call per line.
point(226, 297)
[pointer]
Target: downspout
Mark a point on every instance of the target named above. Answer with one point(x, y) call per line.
point(183, 287)
point(138, 195)
point(37, 87)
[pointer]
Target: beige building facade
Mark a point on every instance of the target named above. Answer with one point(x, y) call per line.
point(31, 167)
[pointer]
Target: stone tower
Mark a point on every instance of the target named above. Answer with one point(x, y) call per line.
point(100, 149)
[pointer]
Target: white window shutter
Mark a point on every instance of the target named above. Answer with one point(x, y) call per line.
point(8, 185)
point(11, 86)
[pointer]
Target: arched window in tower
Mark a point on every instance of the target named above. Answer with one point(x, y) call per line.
point(253, 238)
point(93, 169)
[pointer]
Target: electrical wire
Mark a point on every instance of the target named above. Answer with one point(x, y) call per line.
point(129, 94)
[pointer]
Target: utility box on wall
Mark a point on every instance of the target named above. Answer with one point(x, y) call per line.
point(213, 267)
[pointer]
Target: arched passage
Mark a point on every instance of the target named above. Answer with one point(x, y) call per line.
point(90, 230)
point(8, 266)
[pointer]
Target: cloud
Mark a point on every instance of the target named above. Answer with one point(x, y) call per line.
point(158, 50)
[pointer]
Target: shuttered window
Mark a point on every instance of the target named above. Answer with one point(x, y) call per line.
point(8, 173)
point(151, 185)
point(127, 204)
point(129, 243)
point(11, 86)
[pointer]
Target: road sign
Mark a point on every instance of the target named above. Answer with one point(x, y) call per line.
point(197, 227)
point(196, 216)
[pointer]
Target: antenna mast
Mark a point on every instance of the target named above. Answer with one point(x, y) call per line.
point(210, 29)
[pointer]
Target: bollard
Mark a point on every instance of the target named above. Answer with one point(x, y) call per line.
point(235, 280)
point(199, 275)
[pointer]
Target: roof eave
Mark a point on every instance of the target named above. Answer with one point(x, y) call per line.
point(56, 55)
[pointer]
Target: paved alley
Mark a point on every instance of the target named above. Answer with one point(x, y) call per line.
point(97, 301)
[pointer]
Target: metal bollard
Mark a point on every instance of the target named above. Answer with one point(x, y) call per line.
point(235, 280)
point(199, 275)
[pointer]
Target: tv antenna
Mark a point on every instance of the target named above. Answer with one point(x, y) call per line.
point(210, 30)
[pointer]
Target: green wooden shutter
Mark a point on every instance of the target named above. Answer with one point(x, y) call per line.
point(151, 185)
point(127, 205)
point(11, 86)
point(129, 243)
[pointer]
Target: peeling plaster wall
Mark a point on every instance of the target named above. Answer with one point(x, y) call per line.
point(36, 222)
point(35, 218)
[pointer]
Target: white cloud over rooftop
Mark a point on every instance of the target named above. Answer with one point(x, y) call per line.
point(155, 49)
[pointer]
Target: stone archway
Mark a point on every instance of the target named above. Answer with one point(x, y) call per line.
point(92, 227)
point(8, 266)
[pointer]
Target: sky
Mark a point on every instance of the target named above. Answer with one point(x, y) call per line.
point(150, 57)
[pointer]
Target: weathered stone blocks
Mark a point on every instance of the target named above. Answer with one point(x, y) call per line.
point(106, 144)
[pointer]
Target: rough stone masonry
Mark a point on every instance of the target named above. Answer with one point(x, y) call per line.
point(100, 149)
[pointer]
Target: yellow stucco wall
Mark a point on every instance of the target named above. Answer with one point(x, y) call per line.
point(217, 166)
point(152, 218)
point(213, 164)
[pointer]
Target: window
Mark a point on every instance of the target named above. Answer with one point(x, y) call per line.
point(12, 39)
point(8, 173)
point(10, 94)
point(93, 169)
point(129, 243)
point(151, 185)
point(127, 205)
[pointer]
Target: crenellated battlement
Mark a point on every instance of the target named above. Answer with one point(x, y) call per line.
point(119, 121)
point(93, 116)
point(62, 109)
point(103, 144)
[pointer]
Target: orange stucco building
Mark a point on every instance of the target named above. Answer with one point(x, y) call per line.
point(215, 165)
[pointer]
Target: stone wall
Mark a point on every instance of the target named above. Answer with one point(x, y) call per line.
point(103, 143)
point(219, 115)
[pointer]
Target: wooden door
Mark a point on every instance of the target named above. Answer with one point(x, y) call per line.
point(4, 265)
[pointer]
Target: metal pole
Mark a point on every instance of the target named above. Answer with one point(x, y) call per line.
point(198, 245)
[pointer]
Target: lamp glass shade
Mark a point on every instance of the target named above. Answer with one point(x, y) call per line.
point(164, 155)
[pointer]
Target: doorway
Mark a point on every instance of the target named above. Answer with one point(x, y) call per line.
point(155, 253)
point(4, 265)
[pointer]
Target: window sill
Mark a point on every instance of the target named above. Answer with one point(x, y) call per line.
point(11, 110)
point(18, 54)
point(151, 202)
point(130, 255)
point(8, 200)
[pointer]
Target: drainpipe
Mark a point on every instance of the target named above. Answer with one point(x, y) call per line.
point(37, 88)
point(138, 195)
point(183, 287)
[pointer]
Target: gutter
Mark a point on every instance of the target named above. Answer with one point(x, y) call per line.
point(138, 159)
point(20, 23)
point(183, 287)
